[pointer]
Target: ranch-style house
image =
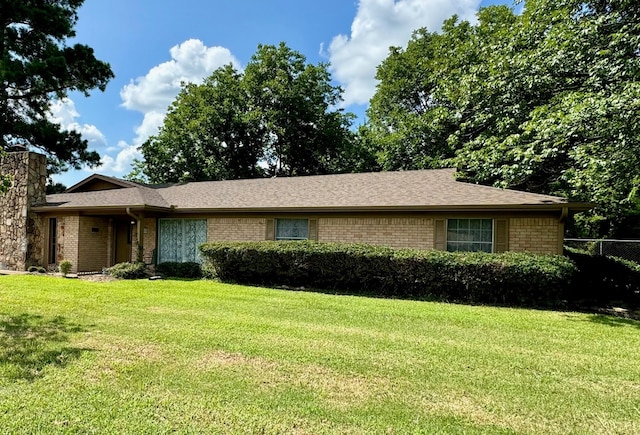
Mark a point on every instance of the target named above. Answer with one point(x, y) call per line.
point(102, 220)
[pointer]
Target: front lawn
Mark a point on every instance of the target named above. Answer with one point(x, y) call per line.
point(203, 357)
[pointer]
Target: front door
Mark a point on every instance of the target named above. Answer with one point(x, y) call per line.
point(123, 242)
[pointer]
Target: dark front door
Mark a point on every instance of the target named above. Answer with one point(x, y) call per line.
point(123, 241)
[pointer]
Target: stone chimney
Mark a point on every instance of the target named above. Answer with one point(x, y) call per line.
point(21, 230)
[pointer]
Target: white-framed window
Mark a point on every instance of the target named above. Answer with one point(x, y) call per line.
point(470, 235)
point(178, 239)
point(292, 229)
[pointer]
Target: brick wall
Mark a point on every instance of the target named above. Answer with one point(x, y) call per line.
point(68, 233)
point(237, 229)
point(416, 232)
point(401, 232)
point(540, 235)
point(93, 244)
point(149, 238)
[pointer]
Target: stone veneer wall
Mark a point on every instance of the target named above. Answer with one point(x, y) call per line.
point(21, 230)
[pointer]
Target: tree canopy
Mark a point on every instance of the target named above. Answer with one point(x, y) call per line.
point(36, 66)
point(277, 117)
point(547, 101)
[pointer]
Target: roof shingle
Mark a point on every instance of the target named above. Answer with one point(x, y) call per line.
point(421, 189)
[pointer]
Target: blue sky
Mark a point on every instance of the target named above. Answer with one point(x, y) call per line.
point(154, 45)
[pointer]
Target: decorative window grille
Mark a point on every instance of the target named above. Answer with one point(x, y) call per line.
point(178, 239)
point(292, 229)
point(470, 235)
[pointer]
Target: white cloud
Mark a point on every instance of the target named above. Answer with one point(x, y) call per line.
point(378, 25)
point(122, 161)
point(64, 112)
point(191, 62)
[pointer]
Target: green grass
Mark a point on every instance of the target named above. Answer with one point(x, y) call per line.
point(202, 357)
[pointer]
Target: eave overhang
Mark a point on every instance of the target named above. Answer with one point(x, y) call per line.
point(111, 209)
point(101, 210)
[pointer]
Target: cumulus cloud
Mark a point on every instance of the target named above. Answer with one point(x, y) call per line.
point(151, 94)
point(378, 25)
point(191, 61)
point(64, 113)
point(122, 161)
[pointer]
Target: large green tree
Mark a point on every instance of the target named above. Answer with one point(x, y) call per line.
point(277, 117)
point(548, 101)
point(207, 135)
point(36, 66)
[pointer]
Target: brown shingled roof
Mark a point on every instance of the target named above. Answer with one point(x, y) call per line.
point(405, 190)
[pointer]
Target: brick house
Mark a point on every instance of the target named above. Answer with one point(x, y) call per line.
point(103, 220)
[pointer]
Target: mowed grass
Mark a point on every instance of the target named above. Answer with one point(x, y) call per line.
point(203, 357)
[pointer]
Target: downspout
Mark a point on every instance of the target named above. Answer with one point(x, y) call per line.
point(564, 214)
point(139, 234)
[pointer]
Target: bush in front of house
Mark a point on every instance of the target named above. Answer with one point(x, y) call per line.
point(36, 269)
point(128, 270)
point(602, 280)
point(509, 278)
point(189, 269)
point(65, 267)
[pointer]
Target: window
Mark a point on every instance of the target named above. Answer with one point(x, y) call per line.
point(178, 239)
point(53, 241)
point(470, 235)
point(292, 229)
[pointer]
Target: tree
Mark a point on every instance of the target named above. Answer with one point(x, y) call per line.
point(545, 101)
point(37, 66)
point(277, 117)
point(206, 135)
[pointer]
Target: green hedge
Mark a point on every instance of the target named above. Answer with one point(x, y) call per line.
point(510, 278)
point(128, 270)
point(604, 280)
point(189, 269)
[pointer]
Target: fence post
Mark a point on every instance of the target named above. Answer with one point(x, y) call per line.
point(600, 243)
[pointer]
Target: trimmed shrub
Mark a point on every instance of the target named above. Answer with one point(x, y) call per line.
point(36, 269)
point(510, 278)
point(187, 269)
point(602, 280)
point(65, 267)
point(128, 270)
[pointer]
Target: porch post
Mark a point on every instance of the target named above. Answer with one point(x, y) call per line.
point(140, 237)
point(139, 234)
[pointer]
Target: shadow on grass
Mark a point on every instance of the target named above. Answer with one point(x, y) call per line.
point(612, 320)
point(30, 343)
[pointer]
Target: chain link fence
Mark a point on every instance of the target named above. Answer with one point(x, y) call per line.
point(627, 249)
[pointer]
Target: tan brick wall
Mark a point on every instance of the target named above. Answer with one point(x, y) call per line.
point(68, 234)
point(400, 232)
point(540, 235)
point(93, 246)
point(416, 232)
point(149, 238)
point(237, 229)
